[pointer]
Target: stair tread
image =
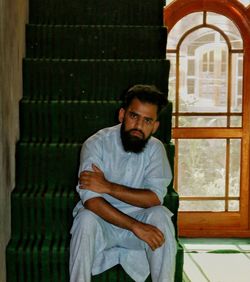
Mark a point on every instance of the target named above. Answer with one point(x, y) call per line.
point(60, 120)
point(95, 26)
point(48, 60)
point(94, 41)
point(90, 79)
point(97, 11)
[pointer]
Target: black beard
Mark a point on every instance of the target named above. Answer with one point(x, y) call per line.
point(132, 143)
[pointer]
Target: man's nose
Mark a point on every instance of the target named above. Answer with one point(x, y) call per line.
point(139, 123)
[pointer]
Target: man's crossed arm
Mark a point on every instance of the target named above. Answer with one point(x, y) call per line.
point(96, 181)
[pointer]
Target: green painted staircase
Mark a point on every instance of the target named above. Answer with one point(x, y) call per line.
point(80, 57)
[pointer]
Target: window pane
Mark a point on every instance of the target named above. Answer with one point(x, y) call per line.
point(172, 79)
point(203, 81)
point(173, 121)
point(236, 80)
point(183, 26)
point(235, 121)
point(205, 206)
point(244, 2)
point(234, 206)
point(202, 121)
point(169, 1)
point(228, 27)
point(201, 167)
point(234, 171)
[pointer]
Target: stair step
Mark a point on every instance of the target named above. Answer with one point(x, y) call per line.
point(38, 259)
point(65, 121)
point(46, 260)
point(95, 42)
point(75, 121)
point(92, 12)
point(47, 164)
point(90, 79)
point(38, 210)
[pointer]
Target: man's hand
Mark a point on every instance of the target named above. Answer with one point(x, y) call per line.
point(94, 180)
point(149, 234)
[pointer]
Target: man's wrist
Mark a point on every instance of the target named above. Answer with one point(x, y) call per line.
point(111, 188)
point(115, 189)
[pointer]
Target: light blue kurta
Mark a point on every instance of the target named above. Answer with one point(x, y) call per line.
point(149, 169)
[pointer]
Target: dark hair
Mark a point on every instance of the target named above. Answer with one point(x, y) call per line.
point(146, 94)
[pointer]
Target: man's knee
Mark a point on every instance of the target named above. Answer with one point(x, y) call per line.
point(85, 222)
point(160, 217)
point(157, 212)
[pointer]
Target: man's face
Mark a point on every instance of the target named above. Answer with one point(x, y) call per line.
point(139, 122)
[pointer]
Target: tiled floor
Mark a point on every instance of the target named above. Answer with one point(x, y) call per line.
point(216, 260)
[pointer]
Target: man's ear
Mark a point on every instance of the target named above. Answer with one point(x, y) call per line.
point(156, 125)
point(121, 115)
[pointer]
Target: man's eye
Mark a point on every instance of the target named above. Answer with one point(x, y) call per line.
point(133, 115)
point(148, 121)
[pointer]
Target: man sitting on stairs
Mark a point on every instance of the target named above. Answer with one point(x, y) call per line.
point(123, 176)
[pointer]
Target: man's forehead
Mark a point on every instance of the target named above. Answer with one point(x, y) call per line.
point(143, 108)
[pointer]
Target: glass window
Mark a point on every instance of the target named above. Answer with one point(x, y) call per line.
point(208, 72)
point(209, 87)
point(203, 206)
point(227, 26)
point(172, 78)
point(202, 121)
point(234, 168)
point(201, 167)
point(169, 1)
point(236, 81)
point(205, 182)
point(182, 27)
point(207, 65)
point(244, 2)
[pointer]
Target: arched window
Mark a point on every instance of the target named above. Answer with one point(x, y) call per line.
point(208, 47)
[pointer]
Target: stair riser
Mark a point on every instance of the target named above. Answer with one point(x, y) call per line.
point(97, 12)
point(75, 121)
point(38, 260)
point(39, 213)
point(64, 121)
point(46, 260)
point(89, 42)
point(49, 165)
point(90, 80)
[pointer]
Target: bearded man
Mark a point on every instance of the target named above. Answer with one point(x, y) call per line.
point(123, 177)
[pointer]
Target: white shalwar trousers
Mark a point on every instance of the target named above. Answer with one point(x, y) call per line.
point(97, 246)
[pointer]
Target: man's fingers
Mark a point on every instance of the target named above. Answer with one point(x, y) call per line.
point(157, 239)
point(85, 172)
point(96, 168)
point(156, 243)
point(151, 235)
point(84, 178)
